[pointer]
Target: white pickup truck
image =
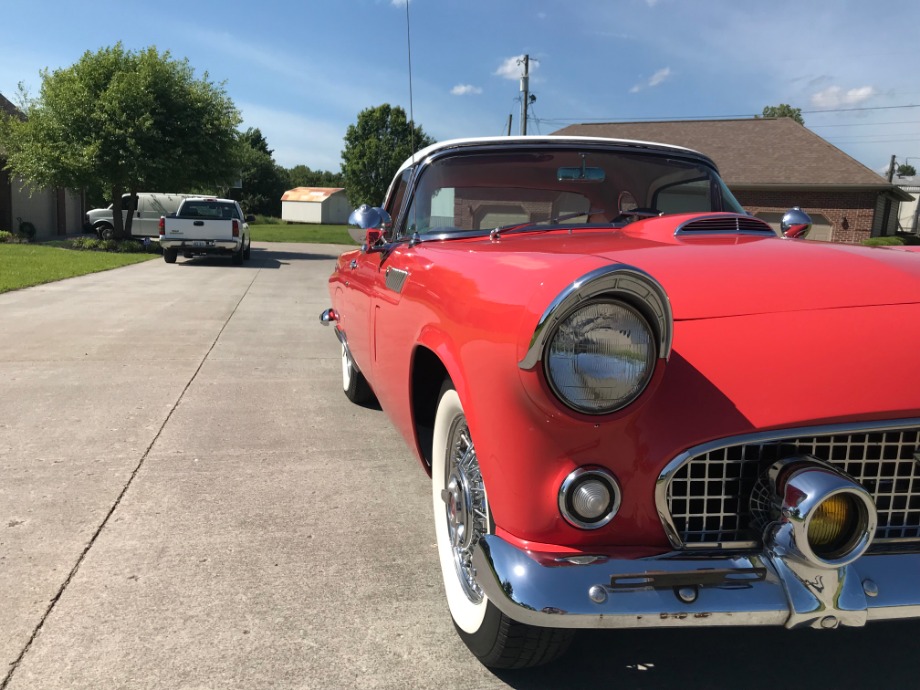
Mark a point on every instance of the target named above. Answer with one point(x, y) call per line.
point(206, 226)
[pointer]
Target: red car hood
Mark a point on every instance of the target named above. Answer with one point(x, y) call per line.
point(712, 277)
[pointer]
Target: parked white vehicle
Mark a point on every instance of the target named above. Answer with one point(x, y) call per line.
point(205, 225)
point(151, 206)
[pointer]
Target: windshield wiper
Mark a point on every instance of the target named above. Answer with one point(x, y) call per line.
point(550, 223)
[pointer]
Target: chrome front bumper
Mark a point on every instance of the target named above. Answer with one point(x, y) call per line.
point(676, 590)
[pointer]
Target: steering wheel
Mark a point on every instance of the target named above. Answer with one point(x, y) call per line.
point(636, 213)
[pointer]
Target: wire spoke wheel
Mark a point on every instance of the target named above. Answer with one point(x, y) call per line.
point(461, 518)
point(465, 504)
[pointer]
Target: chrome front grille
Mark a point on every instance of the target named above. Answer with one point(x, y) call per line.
point(704, 495)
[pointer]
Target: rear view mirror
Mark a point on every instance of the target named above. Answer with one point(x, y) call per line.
point(795, 224)
point(369, 217)
point(581, 174)
point(365, 217)
point(372, 237)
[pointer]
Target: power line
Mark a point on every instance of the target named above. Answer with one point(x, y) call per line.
point(569, 120)
point(869, 124)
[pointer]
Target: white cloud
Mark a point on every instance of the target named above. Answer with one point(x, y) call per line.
point(656, 79)
point(465, 90)
point(513, 67)
point(835, 96)
point(399, 3)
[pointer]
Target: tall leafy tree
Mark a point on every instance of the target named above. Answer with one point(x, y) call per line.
point(375, 147)
point(906, 170)
point(125, 121)
point(783, 110)
point(264, 181)
point(303, 176)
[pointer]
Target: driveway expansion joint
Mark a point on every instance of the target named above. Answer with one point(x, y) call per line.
point(73, 571)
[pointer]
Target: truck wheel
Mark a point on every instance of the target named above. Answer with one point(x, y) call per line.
point(169, 255)
point(248, 250)
point(356, 387)
point(105, 231)
point(237, 257)
point(461, 517)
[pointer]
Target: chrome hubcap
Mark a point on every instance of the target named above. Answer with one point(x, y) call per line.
point(465, 505)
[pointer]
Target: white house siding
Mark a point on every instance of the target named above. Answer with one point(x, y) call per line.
point(39, 207)
point(336, 209)
point(302, 211)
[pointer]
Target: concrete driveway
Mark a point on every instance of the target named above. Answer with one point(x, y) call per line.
point(188, 500)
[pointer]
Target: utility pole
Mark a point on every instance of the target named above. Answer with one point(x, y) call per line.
point(525, 94)
point(883, 231)
point(510, 115)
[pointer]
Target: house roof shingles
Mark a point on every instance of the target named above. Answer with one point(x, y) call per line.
point(7, 107)
point(752, 153)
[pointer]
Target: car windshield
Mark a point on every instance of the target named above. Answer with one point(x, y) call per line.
point(550, 188)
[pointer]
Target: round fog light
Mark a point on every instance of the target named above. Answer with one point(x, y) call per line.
point(589, 498)
point(833, 526)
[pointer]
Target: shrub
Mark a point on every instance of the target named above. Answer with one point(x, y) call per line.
point(5, 236)
point(268, 220)
point(883, 242)
point(85, 243)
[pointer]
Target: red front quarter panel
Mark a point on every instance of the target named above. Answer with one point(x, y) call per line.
point(475, 305)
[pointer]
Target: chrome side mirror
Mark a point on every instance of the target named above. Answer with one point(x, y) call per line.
point(365, 217)
point(795, 224)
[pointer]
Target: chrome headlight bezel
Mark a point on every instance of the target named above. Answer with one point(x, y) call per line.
point(626, 285)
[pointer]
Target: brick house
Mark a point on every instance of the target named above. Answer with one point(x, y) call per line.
point(53, 212)
point(773, 164)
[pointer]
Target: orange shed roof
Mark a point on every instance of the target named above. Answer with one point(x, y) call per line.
point(310, 193)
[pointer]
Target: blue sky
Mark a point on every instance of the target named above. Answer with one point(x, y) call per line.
point(302, 71)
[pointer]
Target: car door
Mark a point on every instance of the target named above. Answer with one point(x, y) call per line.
point(365, 281)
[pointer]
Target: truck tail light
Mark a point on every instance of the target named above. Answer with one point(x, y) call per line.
point(162, 226)
point(236, 228)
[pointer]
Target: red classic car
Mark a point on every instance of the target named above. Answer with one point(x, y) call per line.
point(639, 405)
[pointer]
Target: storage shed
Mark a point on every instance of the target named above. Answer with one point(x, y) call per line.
point(315, 205)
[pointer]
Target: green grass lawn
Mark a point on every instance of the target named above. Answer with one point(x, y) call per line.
point(23, 265)
point(300, 232)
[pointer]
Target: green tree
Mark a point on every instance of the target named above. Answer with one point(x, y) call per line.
point(303, 176)
point(783, 110)
point(375, 147)
point(125, 121)
point(264, 181)
point(906, 170)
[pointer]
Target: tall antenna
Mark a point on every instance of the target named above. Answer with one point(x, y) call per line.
point(411, 107)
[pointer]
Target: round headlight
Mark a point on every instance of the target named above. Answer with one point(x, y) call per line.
point(600, 357)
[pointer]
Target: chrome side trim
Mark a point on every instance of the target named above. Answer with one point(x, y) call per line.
point(671, 591)
point(764, 437)
point(627, 282)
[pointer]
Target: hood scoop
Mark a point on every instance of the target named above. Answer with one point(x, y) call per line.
point(725, 224)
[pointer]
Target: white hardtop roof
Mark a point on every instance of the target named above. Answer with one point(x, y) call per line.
point(536, 141)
